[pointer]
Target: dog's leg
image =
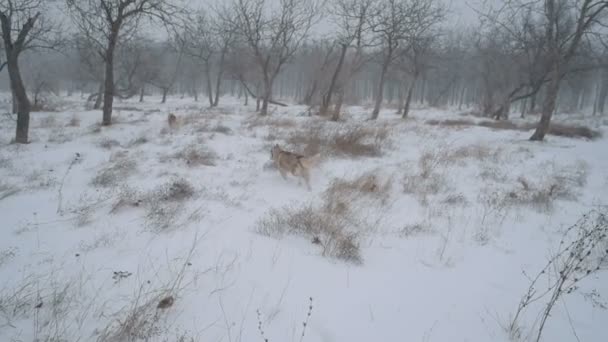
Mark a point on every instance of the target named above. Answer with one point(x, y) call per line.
point(283, 174)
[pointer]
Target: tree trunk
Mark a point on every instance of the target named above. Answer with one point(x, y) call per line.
point(380, 93)
point(327, 98)
point(338, 107)
point(99, 97)
point(267, 95)
point(20, 95)
point(141, 94)
point(15, 105)
point(548, 105)
point(462, 95)
point(218, 85)
point(209, 86)
point(603, 92)
point(165, 91)
point(108, 98)
point(408, 99)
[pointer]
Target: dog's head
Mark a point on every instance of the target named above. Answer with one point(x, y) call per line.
point(274, 151)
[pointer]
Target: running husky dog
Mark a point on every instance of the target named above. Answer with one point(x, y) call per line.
point(296, 164)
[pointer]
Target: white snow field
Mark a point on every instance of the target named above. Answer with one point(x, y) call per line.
point(413, 231)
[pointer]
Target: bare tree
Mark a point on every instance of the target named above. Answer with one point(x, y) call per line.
point(565, 26)
point(550, 33)
point(351, 17)
point(23, 27)
point(394, 21)
point(107, 22)
point(272, 33)
point(419, 42)
point(209, 40)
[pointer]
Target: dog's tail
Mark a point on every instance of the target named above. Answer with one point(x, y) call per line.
point(311, 161)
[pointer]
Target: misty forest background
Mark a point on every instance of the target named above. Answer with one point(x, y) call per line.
point(515, 58)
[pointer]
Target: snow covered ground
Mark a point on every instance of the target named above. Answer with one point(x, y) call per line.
point(435, 230)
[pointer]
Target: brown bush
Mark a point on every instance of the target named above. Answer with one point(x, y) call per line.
point(352, 141)
point(318, 226)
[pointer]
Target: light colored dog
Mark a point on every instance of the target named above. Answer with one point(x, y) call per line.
point(296, 164)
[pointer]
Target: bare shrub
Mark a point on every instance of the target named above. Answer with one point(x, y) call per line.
point(195, 155)
point(559, 183)
point(45, 300)
point(581, 254)
point(329, 231)
point(120, 168)
point(108, 143)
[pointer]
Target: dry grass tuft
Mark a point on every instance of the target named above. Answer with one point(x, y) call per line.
point(108, 143)
point(557, 129)
point(350, 209)
point(165, 203)
point(559, 183)
point(121, 167)
point(342, 195)
point(329, 231)
point(345, 141)
point(195, 155)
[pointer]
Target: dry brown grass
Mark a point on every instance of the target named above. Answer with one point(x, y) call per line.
point(451, 122)
point(558, 183)
point(165, 203)
point(556, 129)
point(322, 228)
point(341, 195)
point(573, 131)
point(344, 141)
point(350, 209)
